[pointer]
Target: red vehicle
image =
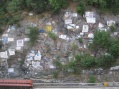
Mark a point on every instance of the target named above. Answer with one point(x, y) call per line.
point(16, 84)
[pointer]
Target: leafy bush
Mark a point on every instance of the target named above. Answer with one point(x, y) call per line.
point(97, 3)
point(73, 67)
point(80, 40)
point(33, 35)
point(77, 58)
point(114, 48)
point(87, 61)
point(113, 6)
point(14, 19)
point(80, 8)
point(103, 42)
point(106, 61)
point(37, 6)
point(18, 24)
point(1, 31)
point(75, 0)
point(101, 39)
point(58, 4)
point(113, 28)
point(52, 35)
point(58, 64)
point(14, 6)
point(92, 79)
point(55, 74)
point(1, 44)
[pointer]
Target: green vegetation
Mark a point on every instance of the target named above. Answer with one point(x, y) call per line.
point(106, 53)
point(10, 11)
point(33, 35)
point(104, 44)
point(42, 16)
point(106, 61)
point(101, 39)
point(58, 64)
point(58, 4)
point(80, 40)
point(1, 45)
point(87, 61)
point(77, 57)
point(55, 74)
point(52, 35)
point(37, 6)
point(102, 5)
point(14, 6)
point(74, 46)
point(72, 67)
point(15, 19)
point(18, 25)
point(92, 79)
point(10, 8)
point(113, 28)
point(81, 8)
point(97, 3)
point(113, 6)
point(114, 48)
point(21, 62)
point(75, 66)
point(1, 31)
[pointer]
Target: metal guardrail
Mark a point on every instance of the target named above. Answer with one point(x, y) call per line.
point(75, 85)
